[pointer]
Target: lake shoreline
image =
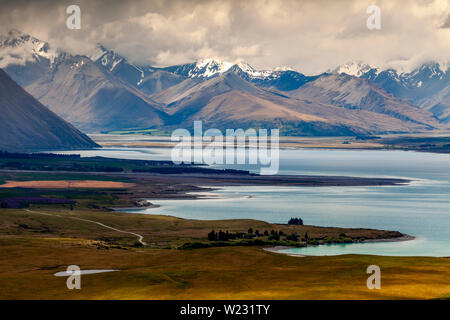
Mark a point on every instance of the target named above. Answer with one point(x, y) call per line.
point(280, 249)
point(419, 142)
point(195, 194)
point(362, 207)
point(191, 184)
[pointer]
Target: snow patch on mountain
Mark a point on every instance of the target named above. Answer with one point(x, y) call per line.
point(108, 58)
point(252, 72)
point(208, 68)
point(97, 53)
point(356, 69)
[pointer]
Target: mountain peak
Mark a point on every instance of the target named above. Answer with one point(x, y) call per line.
point(210, 67)
point(109, 58)
point(353, 68)
point(434, 69)
point(18, 48)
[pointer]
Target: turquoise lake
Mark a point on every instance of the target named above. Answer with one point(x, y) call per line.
point(421, 209)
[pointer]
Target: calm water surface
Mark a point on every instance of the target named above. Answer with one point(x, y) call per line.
point(421, 209)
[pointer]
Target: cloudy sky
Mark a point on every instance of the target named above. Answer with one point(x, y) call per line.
point(310, 36)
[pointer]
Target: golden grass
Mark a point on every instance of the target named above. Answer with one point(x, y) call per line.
point(28, 265)
point(158, 230)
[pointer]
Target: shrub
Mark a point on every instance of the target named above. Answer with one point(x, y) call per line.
point(293, 237)
point(137, 244)
point(212, 236)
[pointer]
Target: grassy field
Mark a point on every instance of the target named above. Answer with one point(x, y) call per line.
point(158, 231)
point(34, 246)
point(28, 264)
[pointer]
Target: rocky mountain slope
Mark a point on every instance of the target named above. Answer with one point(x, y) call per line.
point(228, 100)
point(82, 92)
point(26, 125)
point(353, 93)
point(426, 86)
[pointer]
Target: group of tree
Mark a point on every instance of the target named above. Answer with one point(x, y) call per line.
point(295, 221)
point(218, 236)
point(226, 235)
point(272, 235)
point(257, 233)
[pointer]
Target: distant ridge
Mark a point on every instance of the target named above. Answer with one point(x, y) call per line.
point(427, 86)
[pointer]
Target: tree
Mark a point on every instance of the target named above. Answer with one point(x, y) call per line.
point(295, 221)
point(138, 244)
point(212, 236)
point(223, 236)
point(274, 235)
point(250, 231)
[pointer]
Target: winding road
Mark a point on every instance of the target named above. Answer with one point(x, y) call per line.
point(140, 237)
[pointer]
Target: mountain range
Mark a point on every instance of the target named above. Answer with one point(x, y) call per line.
point(103, 91)
point(427, 86)
point(26, 125)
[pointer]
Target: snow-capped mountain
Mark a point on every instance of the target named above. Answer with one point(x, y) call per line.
point(330, 105)
point(119, 66)
point(356, 69)
point(91, 95)
point(426, 86)
point(425, 75)
point(19, 48)
point(280, 78)
point(104, 91)
point(429, 76)
point(205, 68)
point(107, 58)
point(208, 68)
point(152, 80)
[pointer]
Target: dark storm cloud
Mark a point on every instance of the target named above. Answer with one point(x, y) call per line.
point(311, 36)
